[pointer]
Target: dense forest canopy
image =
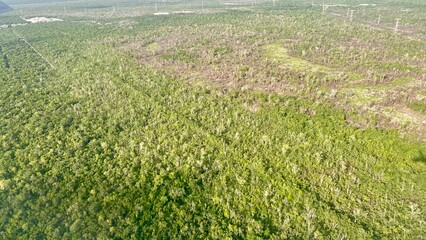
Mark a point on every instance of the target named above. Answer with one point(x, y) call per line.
point(213, 119)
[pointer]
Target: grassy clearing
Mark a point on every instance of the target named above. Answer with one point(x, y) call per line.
point(419, 107)
point(152, 47)
point(399, 82)
point(279, 53)
point(360, 96)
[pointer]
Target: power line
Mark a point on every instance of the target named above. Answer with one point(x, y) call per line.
point(35, 50)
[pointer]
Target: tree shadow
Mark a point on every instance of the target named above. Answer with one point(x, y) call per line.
point(421, 157)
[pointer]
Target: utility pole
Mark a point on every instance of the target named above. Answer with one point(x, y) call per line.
point(351, 17)
point(347, 13)
point(378, 20)
point(202, 6)
point(397, 24)
point(325, 7)
point(156, 7)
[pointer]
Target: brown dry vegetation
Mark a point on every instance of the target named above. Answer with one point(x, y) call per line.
point(374, 73)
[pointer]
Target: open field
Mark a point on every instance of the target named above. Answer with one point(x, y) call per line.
point(222, 120)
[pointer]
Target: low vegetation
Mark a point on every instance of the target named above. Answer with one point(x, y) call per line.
point(198, 126)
